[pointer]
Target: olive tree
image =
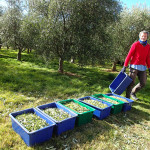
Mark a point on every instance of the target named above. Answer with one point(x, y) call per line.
point(55, 30)
point(91, 19)
point(1, 12)
point(75, 29)
point(10, 26)
point(30, 30)
point(125, 31)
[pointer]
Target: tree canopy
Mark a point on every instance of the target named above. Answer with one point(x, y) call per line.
point(88, 31)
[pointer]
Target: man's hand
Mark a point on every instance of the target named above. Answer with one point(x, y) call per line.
point(124, 69)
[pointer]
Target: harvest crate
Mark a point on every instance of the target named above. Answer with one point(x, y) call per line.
point(120, 83)
point(35, 137)
point(82, 118)
point(116, 108)
point(127, 105)
point(100, 113)
point(61, 126)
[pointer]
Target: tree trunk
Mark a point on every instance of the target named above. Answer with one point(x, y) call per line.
point(114, 66)
point(28, 51)
point(72, 60)
point(60, 69)
point(19, 54)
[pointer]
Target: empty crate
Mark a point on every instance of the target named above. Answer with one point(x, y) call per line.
point(120, 83)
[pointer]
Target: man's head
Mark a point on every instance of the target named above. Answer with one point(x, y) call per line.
point(143, 35)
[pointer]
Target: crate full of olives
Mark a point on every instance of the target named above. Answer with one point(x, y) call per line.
point(84, 112)
point(32, 126)
point(127, 102)
point(63, 117)
point(102, 108)
point(117, 105)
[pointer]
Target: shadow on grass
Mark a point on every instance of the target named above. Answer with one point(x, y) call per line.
point(25, 79)
point(144, 105)
point(129, 118)
point(6, 57)
point(78, 136)
point(37, 82)
point(30, 80)
point(145, 99)
point(91, 131)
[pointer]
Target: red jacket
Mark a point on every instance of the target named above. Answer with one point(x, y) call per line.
point(139, 55)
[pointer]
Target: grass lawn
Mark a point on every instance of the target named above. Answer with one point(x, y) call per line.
point(30, 83)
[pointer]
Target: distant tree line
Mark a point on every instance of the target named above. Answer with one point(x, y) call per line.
point(85, 31)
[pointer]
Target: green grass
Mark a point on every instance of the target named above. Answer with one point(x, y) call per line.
point(30, 83)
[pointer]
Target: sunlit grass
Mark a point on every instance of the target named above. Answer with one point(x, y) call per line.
point(31, 83)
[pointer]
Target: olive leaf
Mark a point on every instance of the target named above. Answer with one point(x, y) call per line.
point(76, 107)
point(57, 114)
point(119, 98)
point(31, 121)
point(95, 103)
point(109, 100)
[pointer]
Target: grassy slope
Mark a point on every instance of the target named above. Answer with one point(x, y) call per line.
point(28, 84)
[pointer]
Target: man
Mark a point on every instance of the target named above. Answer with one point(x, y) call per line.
point(139, 57)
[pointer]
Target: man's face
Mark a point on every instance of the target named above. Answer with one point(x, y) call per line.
point(143, 37)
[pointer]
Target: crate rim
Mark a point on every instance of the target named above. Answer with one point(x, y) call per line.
point(120, 102)
point(96, 100)
point(130, 100)
point(12, 117)
point(75, 115)
point(90, 108)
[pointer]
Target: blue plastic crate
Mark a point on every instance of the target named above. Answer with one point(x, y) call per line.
point(61, 126)
point(127, 105)
point(35, 137)
point(100, 113)
point(116, 108)
point(120, 83)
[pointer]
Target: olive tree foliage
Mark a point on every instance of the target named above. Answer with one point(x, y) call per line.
point(61, 28)
point(10, 26)
point(91, 18)
point(30, 30)
point(55, 32)
point(126, 31)
point(74, 29)
point(1, 13)
point(18, 29)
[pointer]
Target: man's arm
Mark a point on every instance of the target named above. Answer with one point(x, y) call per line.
point(130, 54)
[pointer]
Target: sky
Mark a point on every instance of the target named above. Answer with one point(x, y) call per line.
point(2, 3)
point(128, 3)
